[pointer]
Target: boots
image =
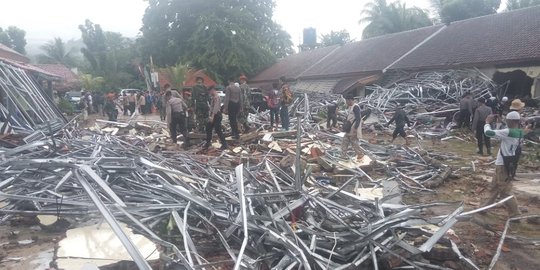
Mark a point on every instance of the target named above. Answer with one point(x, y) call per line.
point(489, 151)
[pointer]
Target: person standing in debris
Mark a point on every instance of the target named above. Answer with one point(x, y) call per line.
point(132, 101)
point(480, 114)
point(176, 116)
point(161, 103)
point(149, 100)
point(273, 104)
point(200, 103)
point(245, 103)
point(125, 104)
point(110, 107)
point(350, 127)
point(83, 105)
point(286, 100)
point(232, 103)
point(503, 106)
point(90, 102)
point(331, 115)
point(401, 118)
point(465, 111)
point(214, 120)
point(141, 103)
point(507, 160)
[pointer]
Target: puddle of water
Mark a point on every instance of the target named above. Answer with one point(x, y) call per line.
point(47, 219)
point(43, 259)
point(97, 245)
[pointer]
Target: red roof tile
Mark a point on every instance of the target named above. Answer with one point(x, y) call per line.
point(10, 54)
point(60, 70)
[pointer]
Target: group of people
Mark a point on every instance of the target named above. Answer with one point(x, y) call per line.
point(501, 120)
point(203, 107)
point(103, 104)
point(478, 110)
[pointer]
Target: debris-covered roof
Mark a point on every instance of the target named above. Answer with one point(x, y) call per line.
point(508, 37)
point(60, 70)
point(10, 54)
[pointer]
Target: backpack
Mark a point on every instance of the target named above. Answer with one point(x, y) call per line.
point(287, 96)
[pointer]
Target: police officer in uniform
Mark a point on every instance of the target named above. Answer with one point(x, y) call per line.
point(246, 103)
point(200, 104)
point(175, 116)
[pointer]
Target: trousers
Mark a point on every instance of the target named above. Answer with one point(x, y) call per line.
point(464, 119)
point(351, 138)
point(178, 123)
point(215, 125)
point(481, 137)
point(501, 187)
point(284, 113)
point(274, 116)
point(234, 109)
point(400, 130)
point(331, 121)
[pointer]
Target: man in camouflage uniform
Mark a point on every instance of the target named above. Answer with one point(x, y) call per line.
point(199, 104)
point(246, 103)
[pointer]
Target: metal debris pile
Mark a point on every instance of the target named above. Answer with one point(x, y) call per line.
point(205, 214)
point(434, 91)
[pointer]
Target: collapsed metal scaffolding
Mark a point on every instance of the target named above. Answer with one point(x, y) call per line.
point(23, 105)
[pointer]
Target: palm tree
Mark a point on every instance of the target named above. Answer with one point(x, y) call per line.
point(55, 53)
point(517, 4)
point(383, 18)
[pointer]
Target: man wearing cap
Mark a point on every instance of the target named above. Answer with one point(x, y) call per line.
point(200, 104)
point(232, 103)
point(245, 103)
point(480, 114)
point(350, 128)
point(506, 162)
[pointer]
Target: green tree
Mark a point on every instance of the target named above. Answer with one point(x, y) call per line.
point(14, 38)
point(517, 4)
point(91, 83)
point(224, 37)
point(55, 52)
point(456, 10)
point(383, 18)
point(335, 37)
point(110, 56)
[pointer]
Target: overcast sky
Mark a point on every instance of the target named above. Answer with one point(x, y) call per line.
point(45, 19)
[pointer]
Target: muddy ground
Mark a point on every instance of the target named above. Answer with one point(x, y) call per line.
point(24, 245)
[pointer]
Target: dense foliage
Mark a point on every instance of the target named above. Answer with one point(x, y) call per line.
point(14, 38)
point(335, 38)
point(385, 18)
point(456, 10)
point(224, 37)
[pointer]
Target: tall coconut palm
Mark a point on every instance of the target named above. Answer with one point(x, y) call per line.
point(384, 18)
point(56, 53)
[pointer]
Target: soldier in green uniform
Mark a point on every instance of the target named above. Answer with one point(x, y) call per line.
point(246, 103)
point(199, 104)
